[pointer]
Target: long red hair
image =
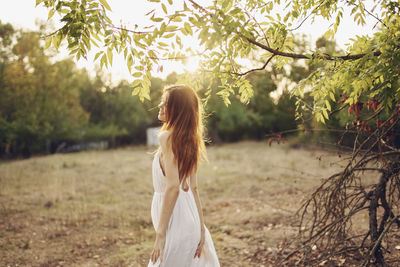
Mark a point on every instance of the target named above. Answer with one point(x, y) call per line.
point(184, 120)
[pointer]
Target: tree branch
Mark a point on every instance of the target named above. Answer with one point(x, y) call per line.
point(301, 56)
point(127, 30)
point(378, 242)
point(286, 54)
point(258, 24)
point(249, 71)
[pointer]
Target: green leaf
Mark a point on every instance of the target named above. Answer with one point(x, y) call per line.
point(171, 28)
point(97, 55)
point(332, 96)
point(130, 62)
point(93, 41)
point(38, 2)
point(328, 105)
point(137, 90)
point(136, 83)
point(188, 28)
point(137, 74)
point(110, 55)
point(226, 100)
point(48, 43)
point(169, 35)
point(86, 41)
point(226, 5)
point(163, 28)
point(325, 114)
point(152, 54)
point(145, 93)
point(156, 19)
point(56, 41)
point(103, 61)
point(105, 4)
point(177, 19)
point(185, 7)
point(164, 8)
point(125, 52)
point(51, 13)
point(141, 68)
point(96, 36)
point(162, 44)
point(322, 119)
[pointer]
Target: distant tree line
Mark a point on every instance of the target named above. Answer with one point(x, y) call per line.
point(45, 103)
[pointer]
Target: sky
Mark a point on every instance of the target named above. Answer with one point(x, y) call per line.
point(23, 14)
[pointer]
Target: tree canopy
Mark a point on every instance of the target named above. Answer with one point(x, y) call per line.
point(231, 30)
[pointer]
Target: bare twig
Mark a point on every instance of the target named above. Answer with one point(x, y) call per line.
point(378, 242)
point(307, 17)
point(252, 70)
point(369, 13)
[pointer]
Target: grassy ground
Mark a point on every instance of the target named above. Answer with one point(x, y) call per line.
point(93, 208)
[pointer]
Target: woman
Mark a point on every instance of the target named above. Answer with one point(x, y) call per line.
point(182, 240)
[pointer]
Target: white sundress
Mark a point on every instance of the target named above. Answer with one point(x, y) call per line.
point(183, 233)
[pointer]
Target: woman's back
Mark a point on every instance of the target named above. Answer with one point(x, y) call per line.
point(159, 182)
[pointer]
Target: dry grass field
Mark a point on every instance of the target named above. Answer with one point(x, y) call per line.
point(93, 208)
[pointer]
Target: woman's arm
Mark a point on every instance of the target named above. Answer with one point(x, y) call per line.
point(194, 188)
point(170, 196)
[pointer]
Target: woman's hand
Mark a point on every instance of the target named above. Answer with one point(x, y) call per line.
point(158, 248)
point(199, 249)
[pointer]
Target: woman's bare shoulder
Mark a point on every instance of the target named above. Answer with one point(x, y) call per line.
point(163, 135)
point(163, 138)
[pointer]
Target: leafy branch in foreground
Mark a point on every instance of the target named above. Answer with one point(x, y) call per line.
point(229, 31)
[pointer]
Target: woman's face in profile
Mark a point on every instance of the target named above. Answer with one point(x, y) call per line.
point(161, 106)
